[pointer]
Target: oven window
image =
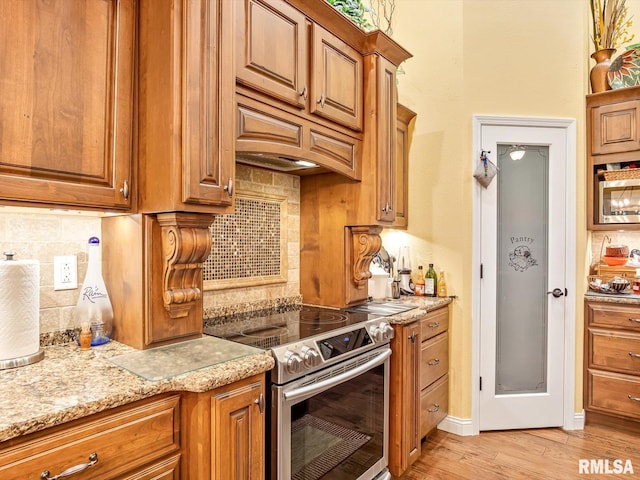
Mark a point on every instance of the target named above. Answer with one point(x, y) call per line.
point(339, 433)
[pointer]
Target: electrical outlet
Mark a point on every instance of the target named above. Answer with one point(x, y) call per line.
point(65, 272)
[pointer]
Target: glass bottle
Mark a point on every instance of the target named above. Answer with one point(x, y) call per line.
point(418, 285)
point(442, 285)
point(431, 282)
point(94, 310)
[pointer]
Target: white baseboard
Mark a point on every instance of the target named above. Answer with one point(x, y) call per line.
point(458, 426)
point(578, 422)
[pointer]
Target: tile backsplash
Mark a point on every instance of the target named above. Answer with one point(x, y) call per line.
point(629, 238)
point(41, 234)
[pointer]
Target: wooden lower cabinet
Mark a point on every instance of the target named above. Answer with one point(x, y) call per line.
point(419, 391)
point(404, 398)
point(224, 432)
point(612, 364)
point(137, 441)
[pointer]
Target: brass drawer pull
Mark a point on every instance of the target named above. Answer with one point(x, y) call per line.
point(434, 362)
point(635, 399)
point(634, 355)
point(435, 408)
point(434, 325)
point(634, 320)
point(93, 459)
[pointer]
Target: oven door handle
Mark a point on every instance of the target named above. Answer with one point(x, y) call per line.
point(333, 381)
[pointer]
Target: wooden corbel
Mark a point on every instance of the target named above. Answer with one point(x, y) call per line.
point(186, 244)
point(366, 242)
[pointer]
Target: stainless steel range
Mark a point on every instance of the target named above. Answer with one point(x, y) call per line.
point(329, 404)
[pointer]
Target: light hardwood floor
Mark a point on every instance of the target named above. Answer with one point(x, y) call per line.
point(544, 454)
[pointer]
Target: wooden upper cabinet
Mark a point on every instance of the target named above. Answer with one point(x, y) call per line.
point(272, 49)
point(186, 113)
point(66, 107)
point(615, 128)
point(337, 87)
point(403, 140)
point(386, 131)
point(287, 57)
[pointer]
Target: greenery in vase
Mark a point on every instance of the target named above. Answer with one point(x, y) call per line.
point(610, 23)
point(353, 9)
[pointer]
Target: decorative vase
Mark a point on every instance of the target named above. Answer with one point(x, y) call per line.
point(598, 74)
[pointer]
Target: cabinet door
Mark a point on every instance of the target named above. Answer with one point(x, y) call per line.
point(238, 433)
point(386, 138)
point(337, 87)
point(209, 162)
point(66, 77)
point(404, 118)
point(272, 50)
point(615, 128)
point(404, 398)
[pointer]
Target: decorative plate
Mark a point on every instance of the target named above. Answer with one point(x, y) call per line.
point(625, 70)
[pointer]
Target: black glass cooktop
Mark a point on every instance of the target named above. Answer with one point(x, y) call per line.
point(272, 329)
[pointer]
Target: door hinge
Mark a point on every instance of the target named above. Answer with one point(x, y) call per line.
point(480, 383)
point(481, 270)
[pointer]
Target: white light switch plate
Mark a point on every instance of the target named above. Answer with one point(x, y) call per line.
point(65, 272)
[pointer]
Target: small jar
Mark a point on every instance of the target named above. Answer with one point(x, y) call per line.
point(635, 283)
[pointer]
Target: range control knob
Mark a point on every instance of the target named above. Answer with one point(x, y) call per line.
point(310, 356)
point(377, 333)
point(389, 333)
point(294, 362)
point(382, 332)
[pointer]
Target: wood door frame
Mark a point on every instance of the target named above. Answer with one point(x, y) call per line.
point(571, 420)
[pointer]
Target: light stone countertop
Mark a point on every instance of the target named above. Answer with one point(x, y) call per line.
point(69, 384)
point(423, 304)
point(628, 299)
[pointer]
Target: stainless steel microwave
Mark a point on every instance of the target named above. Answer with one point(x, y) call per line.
point(619, 201)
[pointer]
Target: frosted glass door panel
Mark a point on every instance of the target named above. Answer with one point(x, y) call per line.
point(521, 301)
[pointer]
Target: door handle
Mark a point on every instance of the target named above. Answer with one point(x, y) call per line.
point(556, 292)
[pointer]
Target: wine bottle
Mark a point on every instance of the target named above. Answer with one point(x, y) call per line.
point(431, 282)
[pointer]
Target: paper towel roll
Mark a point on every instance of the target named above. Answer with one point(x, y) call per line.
point(19, 308)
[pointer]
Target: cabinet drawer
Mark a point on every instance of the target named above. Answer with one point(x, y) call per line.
point(123, 441)
point(613, 316)
point(615, 351)
point(434, 404)
point(435, 323)
point(435, 359)
point(613, 393)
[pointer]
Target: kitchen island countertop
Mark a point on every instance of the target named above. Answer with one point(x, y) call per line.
point(69, 384)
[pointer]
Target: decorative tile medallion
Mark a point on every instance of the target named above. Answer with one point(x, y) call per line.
point(249, 246)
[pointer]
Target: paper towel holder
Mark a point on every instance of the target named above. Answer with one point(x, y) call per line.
point(22, 361)
point(27, 359)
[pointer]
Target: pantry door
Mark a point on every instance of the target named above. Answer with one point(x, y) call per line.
point(523, 291)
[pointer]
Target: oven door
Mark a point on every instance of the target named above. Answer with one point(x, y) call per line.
point(333, 424)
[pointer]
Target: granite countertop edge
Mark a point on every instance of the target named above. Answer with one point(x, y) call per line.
point(423, 306)
point(629, 299)
point(69, 384)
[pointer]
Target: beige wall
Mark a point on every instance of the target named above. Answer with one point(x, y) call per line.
point(488, 57)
